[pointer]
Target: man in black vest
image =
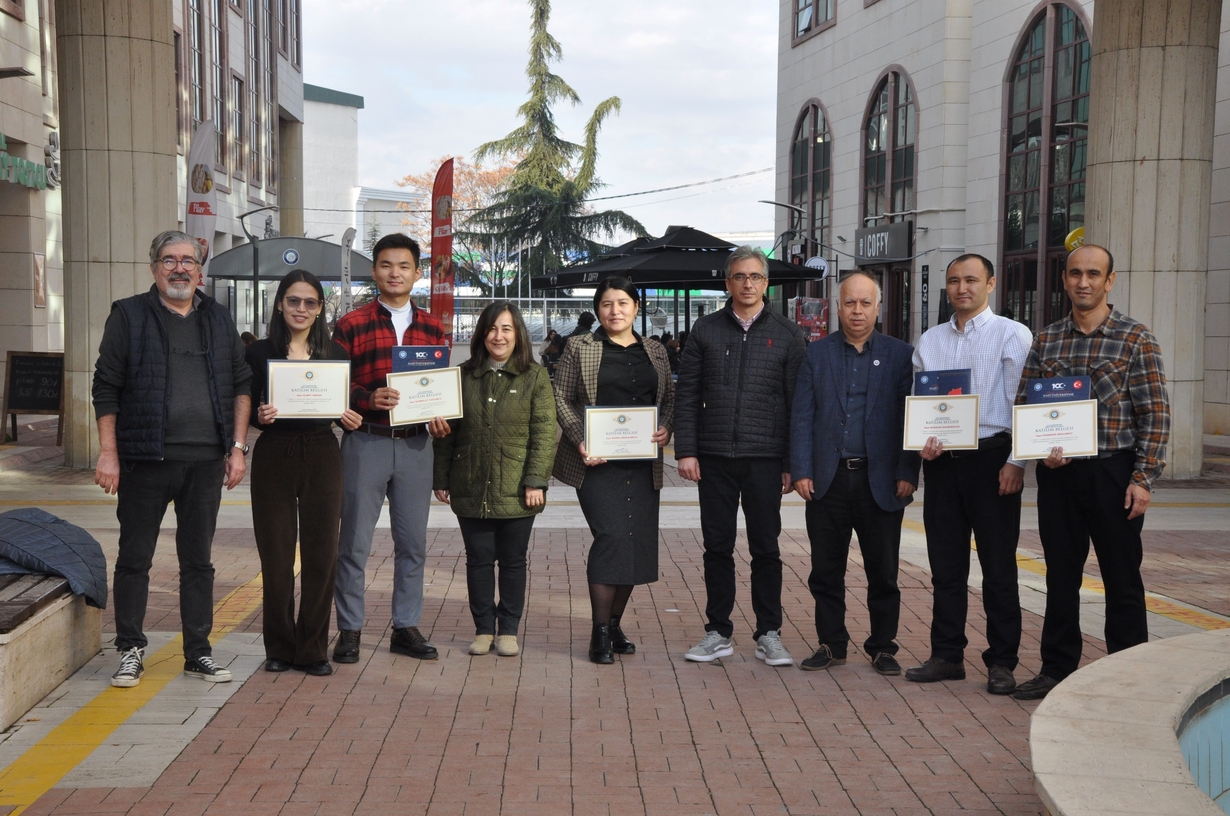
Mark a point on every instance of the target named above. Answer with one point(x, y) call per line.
point(171, 397)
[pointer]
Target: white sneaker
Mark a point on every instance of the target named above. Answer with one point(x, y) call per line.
point(711, 648)
point(769, 648)
point(131, 668)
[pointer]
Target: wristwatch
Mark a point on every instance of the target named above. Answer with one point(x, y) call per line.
point(242, 447)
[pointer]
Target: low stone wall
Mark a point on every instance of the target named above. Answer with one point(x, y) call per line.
point(44, 651)
point(1104, 741)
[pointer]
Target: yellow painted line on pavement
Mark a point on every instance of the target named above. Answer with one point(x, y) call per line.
point(46, 762)
point(1155, 604)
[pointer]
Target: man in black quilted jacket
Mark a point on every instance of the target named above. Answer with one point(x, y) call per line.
point(732, 419)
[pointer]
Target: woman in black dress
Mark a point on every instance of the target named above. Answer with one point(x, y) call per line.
point(296, 487)
point(614, 367)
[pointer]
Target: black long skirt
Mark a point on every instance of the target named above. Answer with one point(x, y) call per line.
point(621, 506)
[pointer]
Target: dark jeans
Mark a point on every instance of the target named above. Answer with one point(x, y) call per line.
point(1080, 501)
point(489, 541)
point(758, 482)
point(963, 496)
point(845, 507)
point(297, 497)
point(146, 488)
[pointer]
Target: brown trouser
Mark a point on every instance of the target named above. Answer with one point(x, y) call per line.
point(297, 495)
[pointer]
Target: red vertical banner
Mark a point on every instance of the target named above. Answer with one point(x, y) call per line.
point(442, 248)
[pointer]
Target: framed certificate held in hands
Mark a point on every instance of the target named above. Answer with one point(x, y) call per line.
point(621, 433)
point(309, 389)
point(1072, 426)
point(953, 420)
point(426, 394)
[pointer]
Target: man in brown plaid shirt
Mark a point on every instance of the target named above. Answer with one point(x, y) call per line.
point(1103, 498)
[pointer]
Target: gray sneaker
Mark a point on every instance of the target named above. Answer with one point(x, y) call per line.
point(711, 648)
point(769, 648)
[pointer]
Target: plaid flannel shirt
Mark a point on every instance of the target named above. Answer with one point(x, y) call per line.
point(1124, 362)
point(367, 335)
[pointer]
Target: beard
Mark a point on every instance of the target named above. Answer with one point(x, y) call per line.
point(180, 288)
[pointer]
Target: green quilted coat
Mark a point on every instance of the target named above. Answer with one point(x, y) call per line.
point(504, 444)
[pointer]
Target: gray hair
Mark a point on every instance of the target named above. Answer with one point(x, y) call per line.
point(879, 292)
point(745, 252)
point(166, 239)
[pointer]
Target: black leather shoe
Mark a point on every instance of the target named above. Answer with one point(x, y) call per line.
point(410, 642)
point(1035, 689)
point(935, 670)
point(600, 645)
point(822, 659)
point(320, 668)
point(619, 643)
point(347, 648)
point(1000, 680)
point(886, 664)
point(272, 664)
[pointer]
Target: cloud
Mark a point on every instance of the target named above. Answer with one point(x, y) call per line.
point(697, 81)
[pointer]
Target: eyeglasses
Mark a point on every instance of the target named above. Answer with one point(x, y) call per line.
point(170, 263)
point(311, 304)
point(741, 278)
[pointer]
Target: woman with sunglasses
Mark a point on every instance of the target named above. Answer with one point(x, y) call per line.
point(296, 486)
point(614, 366)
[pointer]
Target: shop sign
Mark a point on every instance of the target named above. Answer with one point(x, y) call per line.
point(883, 244)
point(17, 170)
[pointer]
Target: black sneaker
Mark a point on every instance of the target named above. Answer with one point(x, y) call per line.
point(131, 668)
point(410, 642)
point(822, 659)
point(347, 648)
point(206, 669)
point(1035, 689)
point(886, 664)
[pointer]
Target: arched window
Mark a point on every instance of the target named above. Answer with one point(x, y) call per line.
point(889, 149)
point(811, 154)
point(1044, 166)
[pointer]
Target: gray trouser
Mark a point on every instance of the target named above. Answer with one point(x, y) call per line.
point(374, 467)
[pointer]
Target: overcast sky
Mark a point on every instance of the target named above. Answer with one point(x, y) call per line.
point(697, 81)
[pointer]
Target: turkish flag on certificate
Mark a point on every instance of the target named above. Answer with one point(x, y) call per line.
point(442, 249)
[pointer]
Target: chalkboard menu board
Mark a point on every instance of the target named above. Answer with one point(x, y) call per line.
point(33, 384)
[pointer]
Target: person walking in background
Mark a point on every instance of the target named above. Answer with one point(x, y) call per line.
point(296, 487)
point(974, 490)
point(551, 354)
point(380, 461)
point(736, 388)
point(614, 366)
point(585, 325)
point(493, 467)
point(1102, 499)
point(171, 396)
point(848, 423)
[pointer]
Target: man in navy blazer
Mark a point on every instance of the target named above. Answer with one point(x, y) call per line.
point(849, 466)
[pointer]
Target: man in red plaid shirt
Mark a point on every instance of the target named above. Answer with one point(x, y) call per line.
point(1102, 498)
point(380, 461)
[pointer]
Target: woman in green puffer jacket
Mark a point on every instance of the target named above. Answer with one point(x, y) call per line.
point(493, 465)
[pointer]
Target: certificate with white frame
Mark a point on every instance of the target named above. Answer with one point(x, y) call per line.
point(953, 420)
point(1072, 426)
point(309, 389)
point(621, 433)
point(425, 394)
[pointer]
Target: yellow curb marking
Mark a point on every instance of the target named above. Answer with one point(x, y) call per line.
point(41, 767)
point(1154, 603)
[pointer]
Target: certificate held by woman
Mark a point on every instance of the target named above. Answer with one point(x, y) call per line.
point(621, 433)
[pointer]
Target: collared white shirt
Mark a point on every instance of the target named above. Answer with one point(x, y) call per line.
point(994, 348)
point(747, 324)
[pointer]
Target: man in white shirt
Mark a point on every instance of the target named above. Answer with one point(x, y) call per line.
point(975, 490)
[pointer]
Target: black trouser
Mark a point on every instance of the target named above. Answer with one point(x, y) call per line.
point(963, 496)
point(146, 488)
point(846, 506)
point(1080, 501)
point(297, 496)
point(489, 541)
point(758, 482)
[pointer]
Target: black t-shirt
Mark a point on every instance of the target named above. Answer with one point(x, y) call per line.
point(259, 354)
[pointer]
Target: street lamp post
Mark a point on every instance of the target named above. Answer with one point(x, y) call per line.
point(256, 261)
